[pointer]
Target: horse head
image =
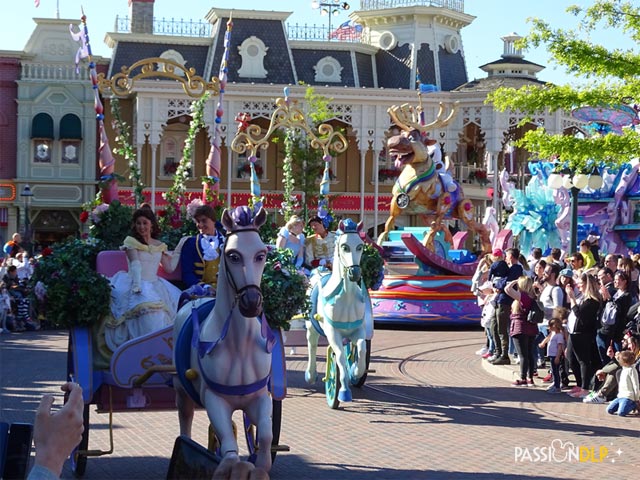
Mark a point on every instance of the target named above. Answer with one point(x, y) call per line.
point(243, 259)
point(409, 147)
point(349, 247)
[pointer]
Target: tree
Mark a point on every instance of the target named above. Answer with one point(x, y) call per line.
point(614, 79)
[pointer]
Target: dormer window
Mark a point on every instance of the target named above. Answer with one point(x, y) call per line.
point(177, 58)
point(328, 69)
point(253, 50)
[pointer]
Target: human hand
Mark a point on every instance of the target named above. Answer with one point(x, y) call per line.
point(541, 345)
point(56, 434)
point(601, 375)
point(232, 468)
point(610, 352)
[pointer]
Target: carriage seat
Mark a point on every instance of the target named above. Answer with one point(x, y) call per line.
point(110, 262)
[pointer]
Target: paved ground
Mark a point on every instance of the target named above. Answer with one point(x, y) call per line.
point(431, 409)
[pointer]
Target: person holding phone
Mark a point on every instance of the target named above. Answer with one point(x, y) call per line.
point(56, 434)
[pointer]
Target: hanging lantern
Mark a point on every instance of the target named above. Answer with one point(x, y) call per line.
point(566, 182)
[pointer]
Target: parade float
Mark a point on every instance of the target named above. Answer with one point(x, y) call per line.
point(607, 199)
point(427, 269)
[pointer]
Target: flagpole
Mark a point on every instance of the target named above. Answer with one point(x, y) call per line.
point(108, 181)
point(58, 9)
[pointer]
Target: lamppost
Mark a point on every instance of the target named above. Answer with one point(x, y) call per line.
point(574, 183)
point(330, 8)
point(27, 194)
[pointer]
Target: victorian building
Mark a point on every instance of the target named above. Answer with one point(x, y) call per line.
point(48, 136)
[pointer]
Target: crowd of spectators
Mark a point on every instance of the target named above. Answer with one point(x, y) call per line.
point(16, 267)
point(588, 344)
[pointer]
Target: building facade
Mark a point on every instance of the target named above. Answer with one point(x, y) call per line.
point(50, 141)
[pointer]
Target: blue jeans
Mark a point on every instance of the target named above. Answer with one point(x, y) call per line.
point(492, 344)
point(543, 331)
point(621, 406)
point(555, 371)
point(602, 341)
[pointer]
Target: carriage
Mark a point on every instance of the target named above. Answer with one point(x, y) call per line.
point(140, 372)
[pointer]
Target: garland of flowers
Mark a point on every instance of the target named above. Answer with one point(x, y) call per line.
point(175, 211)
point(126, 150)
point(290, 201)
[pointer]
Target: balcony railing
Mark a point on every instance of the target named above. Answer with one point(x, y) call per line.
point(46, 71)
point(456, 5)
point(322, 33)
point(166, 26)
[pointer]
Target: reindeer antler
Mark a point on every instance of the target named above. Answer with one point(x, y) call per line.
point(408, 117)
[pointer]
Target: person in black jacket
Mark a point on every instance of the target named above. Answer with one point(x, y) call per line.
point(503, 309)
point(583, 325)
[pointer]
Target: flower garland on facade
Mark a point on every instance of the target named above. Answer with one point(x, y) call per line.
point(290, 201)
point(175, 211)
point(126, 150)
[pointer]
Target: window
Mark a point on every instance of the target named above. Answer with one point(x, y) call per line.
point(328, 69)
point(70, 139)
point(253, 50)
point(41, 150)
point(171, 153)
point(42, 137)
point(243, 166)
point(70, 151)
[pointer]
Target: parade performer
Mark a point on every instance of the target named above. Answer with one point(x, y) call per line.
point(199, 255)
point(141, 302)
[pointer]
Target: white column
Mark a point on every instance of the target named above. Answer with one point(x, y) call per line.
point(376, 188)
point(363, 156)
point(154, 150)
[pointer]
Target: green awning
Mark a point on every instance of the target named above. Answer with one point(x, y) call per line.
point(70, 127)
point(42, 126)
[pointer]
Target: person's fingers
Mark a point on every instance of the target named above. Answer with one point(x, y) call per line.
point(242, 470)
point(44, 409)
point(223, 472)
point(75, 400)
point(259, 474)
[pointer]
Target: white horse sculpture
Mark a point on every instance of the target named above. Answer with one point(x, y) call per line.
point(227, 364)
point(340, 302)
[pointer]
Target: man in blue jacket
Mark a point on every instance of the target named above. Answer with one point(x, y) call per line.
point(199, 255)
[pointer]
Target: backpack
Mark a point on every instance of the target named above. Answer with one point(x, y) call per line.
point(609, 313)
point(536, 312)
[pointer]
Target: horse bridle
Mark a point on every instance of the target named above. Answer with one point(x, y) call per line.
point(230, 280)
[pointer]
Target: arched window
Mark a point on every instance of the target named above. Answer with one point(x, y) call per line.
point(70, 139)
point(253, 50)
point(42, 137)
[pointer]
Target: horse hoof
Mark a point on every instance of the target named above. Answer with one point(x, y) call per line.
point(344, 395)
point(310, 379)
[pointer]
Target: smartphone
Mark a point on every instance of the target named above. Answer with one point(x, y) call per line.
point(191, 461)
point(18, 451)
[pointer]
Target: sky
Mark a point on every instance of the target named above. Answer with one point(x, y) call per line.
point(480, 40)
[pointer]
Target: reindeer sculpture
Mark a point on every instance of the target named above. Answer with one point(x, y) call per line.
point(425, 186)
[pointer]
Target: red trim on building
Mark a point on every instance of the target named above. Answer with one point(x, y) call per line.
point(272, 201)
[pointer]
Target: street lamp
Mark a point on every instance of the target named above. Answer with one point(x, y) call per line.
point(329, 9)
point(574, 182)
point(27, 194)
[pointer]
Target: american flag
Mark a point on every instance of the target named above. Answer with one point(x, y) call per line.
point(37, 2)
point(347, 31)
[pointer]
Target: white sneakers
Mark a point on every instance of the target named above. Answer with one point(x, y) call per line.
point(594, 397)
